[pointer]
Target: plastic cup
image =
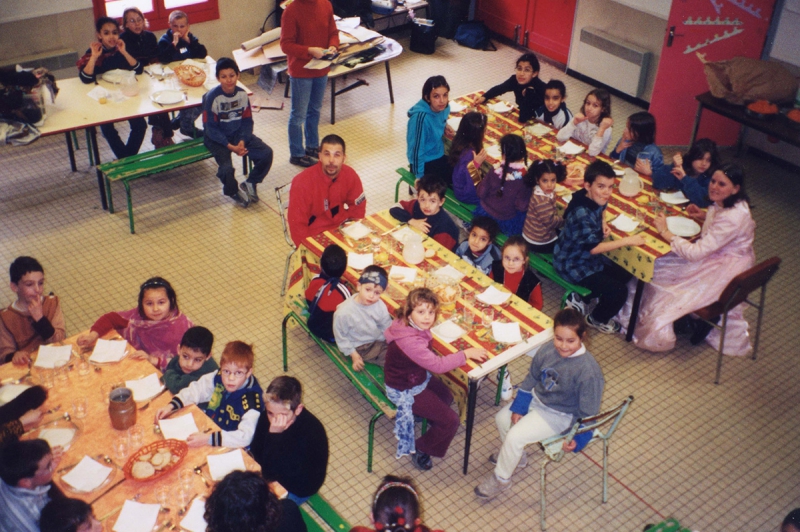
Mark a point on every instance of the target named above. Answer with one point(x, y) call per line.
point(84, 368)
point(487, 317)
point(80, 407)
point(136, 436)
point(162, 495)
point(62, 376)
point(47, 377)
point(120, 447)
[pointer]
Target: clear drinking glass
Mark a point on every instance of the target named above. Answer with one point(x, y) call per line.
point(80, 407)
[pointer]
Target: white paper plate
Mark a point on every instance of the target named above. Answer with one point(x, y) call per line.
point(167, 97)
point(11, 391)
point(500, 107)
point(678, 225)
point(674, 198)
point(114, 76)
point(59, 432)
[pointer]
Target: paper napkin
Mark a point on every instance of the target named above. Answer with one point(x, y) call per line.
point(220, 465)
point(57, 437)
point(51, 356)
point(137, 517)
point(454, 122)
point(507, 333)
point(494, 151)
point(401, 234)
point(625, 223)
point(570, 148)
point(538, 129)
point(500, 107)
point(108, 351)
point(409, 274)
point(493, 296)
point(145, 388)
point(356, 230)
point(87, 475)
point(359, 261)
point(179, 428)
point(449, 272)
point(456, 107)
point(448, 331)
point(194, 521)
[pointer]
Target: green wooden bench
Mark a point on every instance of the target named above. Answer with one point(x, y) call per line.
point(149, 163)
point(542, 263)
point(326, 514)
point(368, 382)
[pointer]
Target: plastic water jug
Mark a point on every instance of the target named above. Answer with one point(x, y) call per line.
point(630, 185)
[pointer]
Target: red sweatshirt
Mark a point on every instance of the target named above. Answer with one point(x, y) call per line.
point(307, 23)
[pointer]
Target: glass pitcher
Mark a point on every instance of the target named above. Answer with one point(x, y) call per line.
point(413, 250)
point(630, 185)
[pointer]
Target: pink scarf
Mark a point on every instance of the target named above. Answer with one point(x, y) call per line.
point(160, 339)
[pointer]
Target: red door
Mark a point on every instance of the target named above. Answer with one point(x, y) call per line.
point(737, 28)
point(549, 27)
point(503, 16)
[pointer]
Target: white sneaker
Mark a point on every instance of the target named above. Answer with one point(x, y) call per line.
point(491, 487)
point(575, 301)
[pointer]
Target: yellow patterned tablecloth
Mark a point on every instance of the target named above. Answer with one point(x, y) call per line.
point(305, 265)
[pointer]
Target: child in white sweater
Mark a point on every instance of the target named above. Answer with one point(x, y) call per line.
point(592, 126)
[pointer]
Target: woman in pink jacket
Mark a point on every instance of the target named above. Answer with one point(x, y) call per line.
point(409, 364)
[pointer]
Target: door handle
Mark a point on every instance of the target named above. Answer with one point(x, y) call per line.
point(672, 35)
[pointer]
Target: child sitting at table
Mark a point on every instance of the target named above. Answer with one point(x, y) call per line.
point(154, 328)
point(542, 221)
point(22, 413)
point(637, 147)
point(359, 322)
point(410, 361)
point(564, 383)
point(513, 272)
point(228, 122)
point(178, 44)
point(427, 122)
point(326, 291)
point(554, 112)
point(528, 89)
point(68, 515)
point(466, 157)
point(425, 213)
point(233, 395)
point(592, 126)
point(505, 192)
point(578, 253)
point(107, 53)
point(143, 45)
point(691, 173)
point(32, 319)
point(193, 361)
point(479, 249)
point(290, 444)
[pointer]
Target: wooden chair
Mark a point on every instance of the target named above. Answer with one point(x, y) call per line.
point(282, 194)
point(554, 450)
point(735, 293)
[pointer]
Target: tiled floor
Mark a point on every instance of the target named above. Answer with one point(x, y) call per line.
point(716, 457)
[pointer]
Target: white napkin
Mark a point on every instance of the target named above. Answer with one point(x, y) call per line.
point(448, 331)
point(675, 198)
point(145, 388)
point(51, 356)
point(356, 230)
point(449, 272)
point(618, 171)
point(401, 234)
point(194, 521)
point(456, 107)
point(507, 333)
point(179, 428)
point(454, 122)
point(11, 391)
point(220, 465)
point(359, 261)
point(567, 198)
point(538, 129)
point(570, 148)
point(57, 437)
point(625, 223)
point(87, 475)
point(494, 152)
point(98, 92)
point(137, 517)
point(500, 107)
point(409, 274)
point(108, 351)
point(493, 296)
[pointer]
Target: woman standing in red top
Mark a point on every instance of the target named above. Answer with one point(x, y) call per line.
point(308, 31)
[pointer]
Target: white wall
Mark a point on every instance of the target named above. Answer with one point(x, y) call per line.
point(14, 10)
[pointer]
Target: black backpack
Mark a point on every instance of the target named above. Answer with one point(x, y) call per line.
point(474, 35)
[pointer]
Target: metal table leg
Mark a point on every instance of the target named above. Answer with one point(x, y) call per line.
point(696, 122)
point(71, 151)
point(333, 100)
point(95, 150)
point(389, 80)
point(471, 400)
point(637, 299)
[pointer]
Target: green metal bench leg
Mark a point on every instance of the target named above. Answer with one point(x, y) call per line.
point(74, 136)
point(92, 162)
point(284, 339)
point(108, 196)
point(397, 190)
point(130, 204)
point(371, 438)
point(501, 376)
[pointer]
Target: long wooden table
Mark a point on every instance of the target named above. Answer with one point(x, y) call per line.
point(462, 381)
point(638, 260)
point(74, 110)
point(98, 435)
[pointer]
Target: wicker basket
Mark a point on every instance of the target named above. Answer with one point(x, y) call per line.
point(190, 75)
point(176, 447)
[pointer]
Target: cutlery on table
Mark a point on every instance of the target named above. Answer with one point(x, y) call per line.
point(117, 483)
point(165, 525)
point(107, 459)
point(147, 404)
point(199, 471)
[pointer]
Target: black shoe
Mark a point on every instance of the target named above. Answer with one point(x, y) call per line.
point(241, 199)
point(422, 461)
point(175, 123)
point(313, 153)
point(305, 161)
point(701, 330)
point(250, 189)
point(683, 326)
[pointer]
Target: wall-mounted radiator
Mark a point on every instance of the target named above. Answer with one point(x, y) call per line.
point(610, 60)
